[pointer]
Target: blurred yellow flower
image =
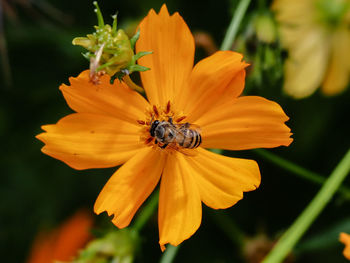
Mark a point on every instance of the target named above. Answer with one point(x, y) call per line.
point(345, 238)
point(115, 125)
point(316, 34)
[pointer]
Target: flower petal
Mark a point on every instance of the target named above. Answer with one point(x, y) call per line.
point(306, 65)
point(180, 209)
point(64, 242)
point(222, 180)
point(337, 77)
point(115, 100)
point(129, 187)
point(213, 81)
point(85, 140)
point(293, 16)
point(245, 123)
point(173, 53)
point(73, 235)
point(345, 239)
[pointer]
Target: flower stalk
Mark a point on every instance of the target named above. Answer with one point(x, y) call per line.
point(146, 213)
point(169, 254)
point(298, 170)
point(131, 84)
point(234, 25)
point(307, 217)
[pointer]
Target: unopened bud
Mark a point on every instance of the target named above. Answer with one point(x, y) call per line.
point(110, 50)
point(265, 28)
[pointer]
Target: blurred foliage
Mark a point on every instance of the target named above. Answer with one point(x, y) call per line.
point(38, 191)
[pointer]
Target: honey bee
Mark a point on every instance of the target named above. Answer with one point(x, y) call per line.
point(185, 135)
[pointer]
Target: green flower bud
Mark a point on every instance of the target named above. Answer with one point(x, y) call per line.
point(265, 28)
point(110, 50)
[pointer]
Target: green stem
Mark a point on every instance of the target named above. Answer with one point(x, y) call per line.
point(305, 219)
point(128, 81)
point(234, 25)
point(298, 170)
point(146, 212)
point(169, 254)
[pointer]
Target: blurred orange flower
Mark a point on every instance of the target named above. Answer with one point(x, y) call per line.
point(345, 238)
point(113, 125)
point(63, 243)
point(317, 36)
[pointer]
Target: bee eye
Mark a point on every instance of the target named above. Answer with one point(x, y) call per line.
point(153, 127)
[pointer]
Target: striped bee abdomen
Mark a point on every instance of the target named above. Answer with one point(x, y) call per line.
point(189, 138)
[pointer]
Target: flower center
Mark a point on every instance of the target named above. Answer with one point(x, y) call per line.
point(165, 129)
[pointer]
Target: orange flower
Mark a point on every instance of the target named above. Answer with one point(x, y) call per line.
point(112, 127)
point(345, 238)
point(63, 243)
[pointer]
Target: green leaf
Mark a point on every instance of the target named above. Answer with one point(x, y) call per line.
point(105, 65)
point(141, 54)
point(114, 27)
point(134, 68)
point(101, 23)
point(134, 39)
point(86, 55)
point(119, 75)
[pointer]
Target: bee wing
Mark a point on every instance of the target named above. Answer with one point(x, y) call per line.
point(187, 125)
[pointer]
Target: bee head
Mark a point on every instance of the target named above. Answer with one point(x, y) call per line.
point(153, 127)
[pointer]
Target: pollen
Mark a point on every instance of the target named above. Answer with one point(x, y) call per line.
point(155, 110)
point(167, 108)
point(181, 119)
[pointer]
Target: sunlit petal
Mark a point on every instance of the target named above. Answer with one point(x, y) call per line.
point(213, 80)
point(245, 123)
point(173, 52)
point(129, 187)
point(180, 210)
point(115, 100)
point(85, 140)
point(222, 180)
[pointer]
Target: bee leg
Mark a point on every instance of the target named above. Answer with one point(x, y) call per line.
point(170, 120)
point(164, 146)
point(156, 142)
